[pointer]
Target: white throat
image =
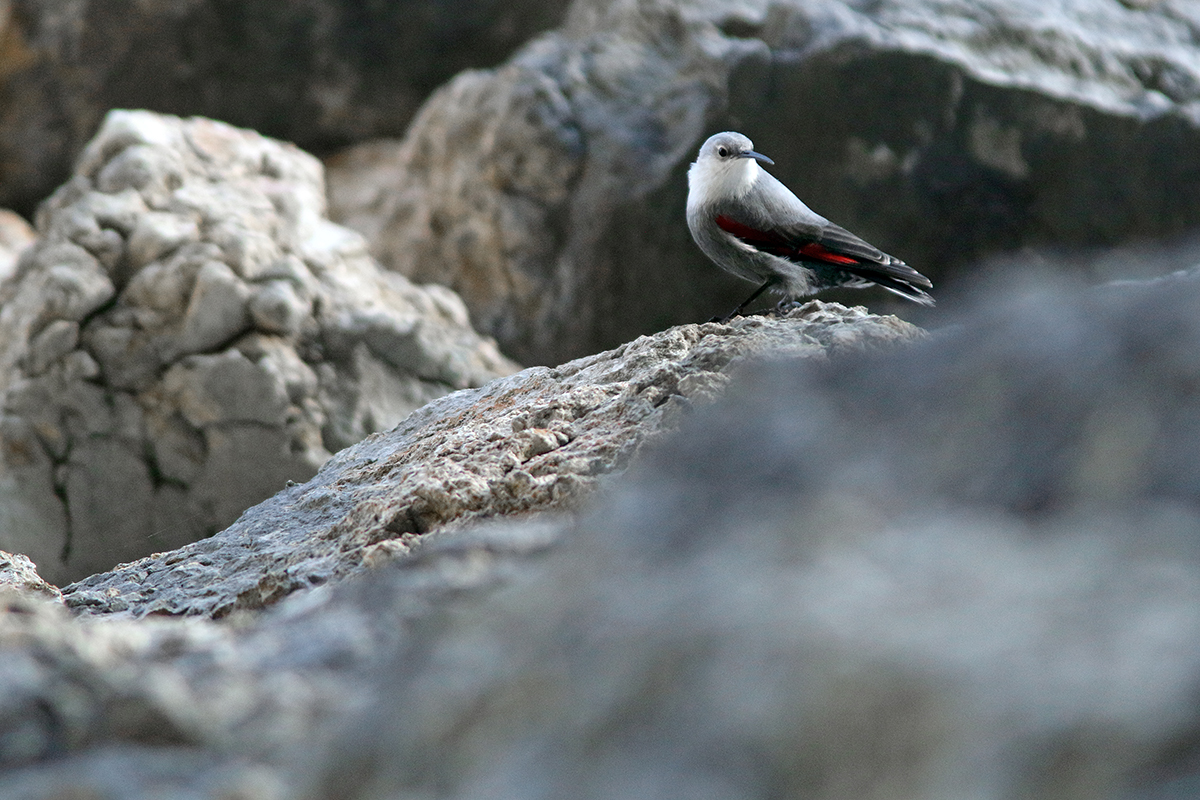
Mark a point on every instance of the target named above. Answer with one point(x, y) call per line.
point(710, 179)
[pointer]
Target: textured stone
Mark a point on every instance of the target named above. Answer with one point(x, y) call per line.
point(537, 441)
point(276, 307)
point(216, 312)
point(53, 342)
point(961, 568)
point(964, 568)
point(315, 72)
point(174, 343)
point(549, 192)
point(158, 234)
point(18, 572)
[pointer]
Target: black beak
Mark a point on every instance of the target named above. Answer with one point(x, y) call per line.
point(755, 156)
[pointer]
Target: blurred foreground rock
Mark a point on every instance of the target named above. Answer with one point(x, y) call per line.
point(963, 568)
point(187, 334)
point(320, 73)
point(549, 192)
point(538, 441)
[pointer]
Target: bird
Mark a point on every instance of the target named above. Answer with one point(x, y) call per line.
point(753, 226)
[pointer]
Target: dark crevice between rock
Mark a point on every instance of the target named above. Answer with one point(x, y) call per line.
point(406, 520)
point(740, 28)
point(229, 343)
point(100, 310)
point(58, 481)
point(157, 478)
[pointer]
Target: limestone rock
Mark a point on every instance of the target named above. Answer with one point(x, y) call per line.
point(549, 192)
point(174, 348)
point(320, 73)
point(540, 440)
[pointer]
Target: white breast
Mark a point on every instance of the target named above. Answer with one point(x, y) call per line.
point(713, 179)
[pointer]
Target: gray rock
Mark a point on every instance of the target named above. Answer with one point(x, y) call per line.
point(216, 312)
point(965, 567)
point(18, 573)
point(53, 342)
point(163, 344)
point(157, 234)
point(549, 192)
point(276, 307)
point(317, 72)
point(541, 440)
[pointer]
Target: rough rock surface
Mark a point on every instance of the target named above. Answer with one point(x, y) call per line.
point(968, 568)
point(17, 572)
point(320, 73)
point(540, 440)
point(965, 568)
point(549, 192)
point(190, 332)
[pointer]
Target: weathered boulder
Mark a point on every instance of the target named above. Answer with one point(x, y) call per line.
point(549, 192)
point(962, 568)
point(321, 73)
point(541, 440)
point(190, 332)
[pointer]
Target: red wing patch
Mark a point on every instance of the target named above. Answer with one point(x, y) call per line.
point(819, 253)
point(767, 241)
point(775, 244)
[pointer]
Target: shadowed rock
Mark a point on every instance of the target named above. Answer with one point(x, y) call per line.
point(321, 73)
point(549, 192)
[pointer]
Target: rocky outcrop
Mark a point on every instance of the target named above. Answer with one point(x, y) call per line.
point(321, 73)
point(549, 192)
point(541, 440)
point(965, 567)
point(18, 573)
point(188, 333)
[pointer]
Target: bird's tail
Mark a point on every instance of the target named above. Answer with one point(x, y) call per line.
point(894, 285)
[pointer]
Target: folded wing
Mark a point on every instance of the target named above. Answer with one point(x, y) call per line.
point(833, 246)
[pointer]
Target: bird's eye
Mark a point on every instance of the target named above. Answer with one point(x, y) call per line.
point(722, 152)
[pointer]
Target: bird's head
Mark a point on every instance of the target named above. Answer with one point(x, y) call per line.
point(726, 165)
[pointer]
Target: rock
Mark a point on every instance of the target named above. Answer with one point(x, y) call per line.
point(18, 572)
point(215, 710)
point(173, 349)
point(541, 440)
point(964, 567)
point(549, 192)
point(320, 73)
point(15, 236)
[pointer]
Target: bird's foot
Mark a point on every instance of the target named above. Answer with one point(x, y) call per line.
point(785, 306)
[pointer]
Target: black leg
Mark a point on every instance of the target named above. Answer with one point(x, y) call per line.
point(770, 282)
